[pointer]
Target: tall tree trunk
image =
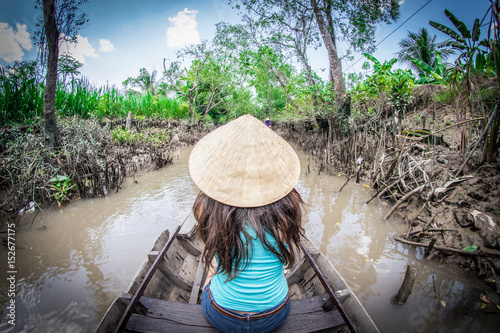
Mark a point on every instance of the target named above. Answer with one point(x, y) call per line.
point(211, 103)
point(52, 35)
point(308, 68)
point(333, 58)
point(194, 104)
point(283, 86)
point(342, 99)
point(190, 100)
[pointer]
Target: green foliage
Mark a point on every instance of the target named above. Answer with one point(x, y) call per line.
point(145, 81)
point(435, 74)
point(355, 21)
point(125, 136)
point(69, 19)
point(129, 138)
point(395, 85)
point(68, 66)
point(399, 88)
point(444, 96)
point(62, 186)
point(21, 93)
point(419, 50)
point(21, 99)
point(472, 57)
point(79, 98)
point(150, 106)
point(477, 59)
point(264, 66)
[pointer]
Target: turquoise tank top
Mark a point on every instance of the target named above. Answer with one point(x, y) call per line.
point(260, 286)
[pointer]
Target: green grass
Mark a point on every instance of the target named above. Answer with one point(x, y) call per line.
point(22, 101)
point(445, 96)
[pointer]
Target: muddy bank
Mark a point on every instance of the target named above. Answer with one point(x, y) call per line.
point(458, 213)
point(94, 159)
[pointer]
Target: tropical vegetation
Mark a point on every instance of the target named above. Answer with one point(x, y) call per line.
point(251, 68)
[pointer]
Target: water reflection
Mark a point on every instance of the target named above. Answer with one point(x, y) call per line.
point(73, 262)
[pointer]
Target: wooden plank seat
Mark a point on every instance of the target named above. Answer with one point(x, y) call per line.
point(306, 315)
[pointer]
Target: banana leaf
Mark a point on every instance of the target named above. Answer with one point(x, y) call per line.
point(372, 58)
point(480, 62)
point(458, 24)
point(476, 31)
point(450, 32)
point(439, 64)
point(454, 44)
point(426, 67)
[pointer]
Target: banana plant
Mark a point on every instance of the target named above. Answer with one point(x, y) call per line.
point(396, 85)
point(435, 75)
point(472, 52)
point(379, 80)
point(476, 56)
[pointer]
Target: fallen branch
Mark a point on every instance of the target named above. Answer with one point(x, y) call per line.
point(403, 199)
point(429, 196)
point(347, 181)
point(454, 125)
point(428, 224)
point(408, 282)
point(440, 248)
point(430, 230)
point(429, 248)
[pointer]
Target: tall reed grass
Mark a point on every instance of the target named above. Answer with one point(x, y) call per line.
point(21, 101)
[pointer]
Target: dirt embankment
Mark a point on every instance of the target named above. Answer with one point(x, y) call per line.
point(94, 159)
point(459, 214)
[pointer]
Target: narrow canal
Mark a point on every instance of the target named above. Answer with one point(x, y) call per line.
point(71, 263)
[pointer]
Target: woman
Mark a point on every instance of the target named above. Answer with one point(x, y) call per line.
point(249, 216)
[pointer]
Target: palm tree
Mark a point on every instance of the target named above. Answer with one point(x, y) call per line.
point(68, 66)
point(145, 81)
point(422, 46)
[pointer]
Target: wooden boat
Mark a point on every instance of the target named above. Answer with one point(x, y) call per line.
point(165, 294)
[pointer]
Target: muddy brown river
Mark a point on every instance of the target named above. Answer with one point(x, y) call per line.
point(71, 263)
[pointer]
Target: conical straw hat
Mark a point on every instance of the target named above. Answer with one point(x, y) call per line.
point(244, 164)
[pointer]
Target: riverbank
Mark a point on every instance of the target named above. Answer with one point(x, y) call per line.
point(459, 214)
point(73, 262)
point(451, 208)
point(94, 159)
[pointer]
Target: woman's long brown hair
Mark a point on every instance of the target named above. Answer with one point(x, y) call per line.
point(221, 227)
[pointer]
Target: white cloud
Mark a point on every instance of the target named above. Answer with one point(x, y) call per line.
point(183, 29)
point(12, 43)
point(106, 45)
point(79, 50)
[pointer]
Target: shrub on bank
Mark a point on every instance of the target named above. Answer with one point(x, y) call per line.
point(88, 163)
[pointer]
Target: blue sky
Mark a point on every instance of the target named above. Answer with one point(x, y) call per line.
point(123, 36)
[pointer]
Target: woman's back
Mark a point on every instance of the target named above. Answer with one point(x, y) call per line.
point(259, 285)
